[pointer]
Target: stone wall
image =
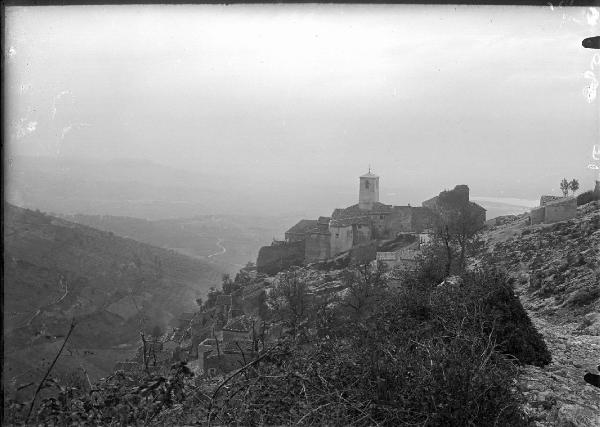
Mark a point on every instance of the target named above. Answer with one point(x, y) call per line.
point(363, 254)
point(560, 210)
point(273, 259)
point(536, 215)
point(399, 220)
point(422, 218)
point(378, 221)
point(342, 239)
point(317, 247)
point(361, 233)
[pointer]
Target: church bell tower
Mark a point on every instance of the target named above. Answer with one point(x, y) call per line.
point(369, 191)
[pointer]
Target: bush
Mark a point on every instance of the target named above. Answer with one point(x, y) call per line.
point(399, 366)
point(485, 301)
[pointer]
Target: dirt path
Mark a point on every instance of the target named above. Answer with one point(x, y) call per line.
point(557, 395)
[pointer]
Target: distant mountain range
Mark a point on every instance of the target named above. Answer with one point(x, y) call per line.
point(56, 270)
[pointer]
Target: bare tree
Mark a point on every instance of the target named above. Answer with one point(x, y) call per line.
point(456, 228)
point(289, 300)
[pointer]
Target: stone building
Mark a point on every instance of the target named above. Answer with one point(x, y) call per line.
point(553, 209)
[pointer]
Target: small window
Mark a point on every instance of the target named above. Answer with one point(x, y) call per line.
point(380, 216)
point(366, 184)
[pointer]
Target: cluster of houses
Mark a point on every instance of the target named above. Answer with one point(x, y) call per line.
point(213, 341)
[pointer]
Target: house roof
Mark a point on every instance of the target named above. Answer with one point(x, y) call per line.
point(323, 220)
point(240, 324)
point(321, 228)
point(355, 211)
point(348, 222)
point(303, 226)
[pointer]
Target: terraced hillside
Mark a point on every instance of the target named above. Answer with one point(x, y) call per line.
point(55, 270)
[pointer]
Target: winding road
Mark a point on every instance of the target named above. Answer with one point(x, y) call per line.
point(221, 252)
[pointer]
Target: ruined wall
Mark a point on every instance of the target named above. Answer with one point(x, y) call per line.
point(399, 220)
point(273, 259)
point(317, 247)
point(560, 210)
point(341, 239)
point(422, 218)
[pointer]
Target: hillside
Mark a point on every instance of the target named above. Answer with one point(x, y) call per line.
point(55, 270)
point(227, 241)
point(556, 271)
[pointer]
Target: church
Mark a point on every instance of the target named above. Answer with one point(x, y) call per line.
point(369, 220)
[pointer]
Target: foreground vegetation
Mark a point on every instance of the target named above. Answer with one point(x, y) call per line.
point(396, 349)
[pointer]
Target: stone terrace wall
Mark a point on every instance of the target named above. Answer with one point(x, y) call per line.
point(317, 247)
point(273, 259)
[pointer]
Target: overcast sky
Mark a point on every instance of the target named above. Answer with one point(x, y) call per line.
point(500, 98)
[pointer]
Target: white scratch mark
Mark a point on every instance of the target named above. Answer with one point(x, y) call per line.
point(595, 61)
point(12, 51)
point(590, 90)
point(56, 99)
point(592, 16)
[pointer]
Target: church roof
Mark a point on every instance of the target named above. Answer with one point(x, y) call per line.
point(346, 222)
point(355, 211)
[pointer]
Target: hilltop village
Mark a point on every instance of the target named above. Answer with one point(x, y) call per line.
point(360, 229)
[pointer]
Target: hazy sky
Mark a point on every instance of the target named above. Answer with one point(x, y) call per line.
point(500, 98)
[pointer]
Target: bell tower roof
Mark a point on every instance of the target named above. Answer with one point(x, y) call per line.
point(369, 175)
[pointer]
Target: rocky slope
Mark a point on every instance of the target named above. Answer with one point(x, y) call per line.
point(55, 270)
point(556, 270)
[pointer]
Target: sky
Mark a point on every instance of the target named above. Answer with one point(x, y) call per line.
point(502, 98)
